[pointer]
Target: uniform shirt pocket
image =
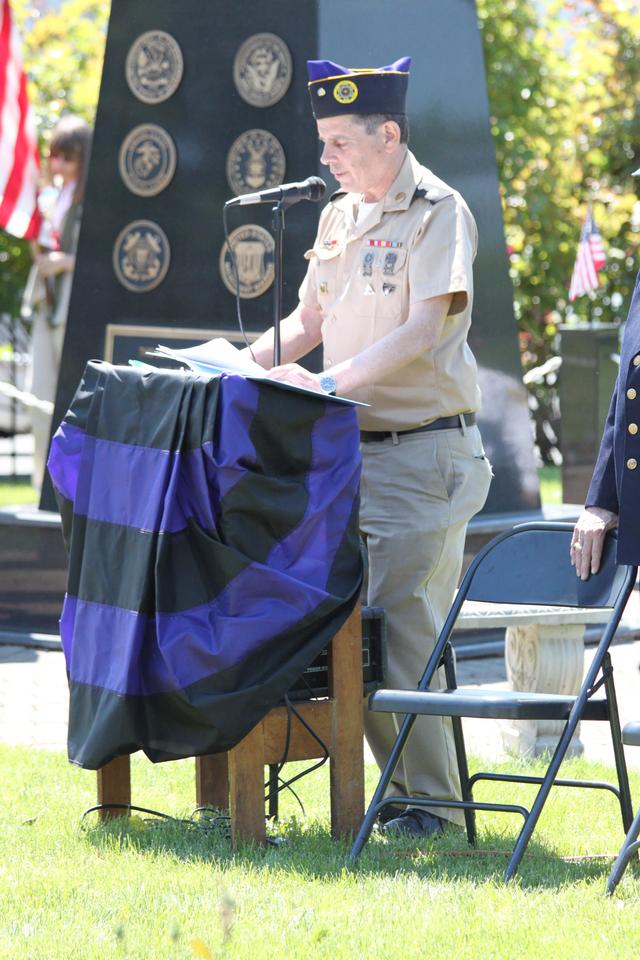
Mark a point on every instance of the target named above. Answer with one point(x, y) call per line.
point(389, 284)
point(327, 275)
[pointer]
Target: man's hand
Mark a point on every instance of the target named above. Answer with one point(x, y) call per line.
point(297, 375)
point(588, 539)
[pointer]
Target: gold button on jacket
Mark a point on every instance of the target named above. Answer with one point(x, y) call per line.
point(632, 463)
point(631, 393)
point(633, 428)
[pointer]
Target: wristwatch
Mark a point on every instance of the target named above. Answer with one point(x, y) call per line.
point(328, 384)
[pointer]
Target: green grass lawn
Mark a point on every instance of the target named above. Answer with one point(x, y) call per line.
point(139, 890)
point(550, 484)
point(14, 494)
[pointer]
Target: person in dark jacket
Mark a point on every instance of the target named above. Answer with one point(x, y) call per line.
point(612, 499)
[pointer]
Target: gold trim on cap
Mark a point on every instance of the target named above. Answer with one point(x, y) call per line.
point(358, 73)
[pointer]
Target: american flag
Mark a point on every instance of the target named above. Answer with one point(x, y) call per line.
point(590, 258)
point(19, 159)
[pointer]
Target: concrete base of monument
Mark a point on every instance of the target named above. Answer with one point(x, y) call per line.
point(33, 566)
point(33, 575)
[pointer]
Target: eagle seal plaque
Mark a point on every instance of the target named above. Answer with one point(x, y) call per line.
point(154, 66)
point(256, 161)
point(141, 256)
point(147, 160)
point(262, 69)
point(253, 247)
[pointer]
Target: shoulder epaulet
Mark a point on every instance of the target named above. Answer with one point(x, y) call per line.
point(337, 194)
point(433, 194)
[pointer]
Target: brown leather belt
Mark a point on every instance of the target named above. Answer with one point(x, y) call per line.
point(444, 423)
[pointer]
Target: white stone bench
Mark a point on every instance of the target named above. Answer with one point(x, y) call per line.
point(544, 653)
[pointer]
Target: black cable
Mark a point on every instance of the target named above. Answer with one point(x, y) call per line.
point(286, 784)
point(236, 277)
point(220, 819)
point(129, 807)
point(280, 765)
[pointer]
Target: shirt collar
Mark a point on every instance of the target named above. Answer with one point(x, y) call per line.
point(400, 193)
point(398, 196)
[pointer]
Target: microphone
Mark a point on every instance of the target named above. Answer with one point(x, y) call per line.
point(312, 188)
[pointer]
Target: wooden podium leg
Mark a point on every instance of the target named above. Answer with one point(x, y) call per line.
point(212, 781)
point(246, 785)
point(347, 728)
point(114, 786)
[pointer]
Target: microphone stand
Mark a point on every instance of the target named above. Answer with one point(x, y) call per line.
point(278, 230)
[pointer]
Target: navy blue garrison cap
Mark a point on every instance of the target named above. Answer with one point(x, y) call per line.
point(337, 90)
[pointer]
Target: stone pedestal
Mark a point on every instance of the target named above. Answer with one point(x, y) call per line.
point(544, 653)
point(543, 658)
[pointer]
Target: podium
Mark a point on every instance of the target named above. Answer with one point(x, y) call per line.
point(235, 780)
point(212, 528)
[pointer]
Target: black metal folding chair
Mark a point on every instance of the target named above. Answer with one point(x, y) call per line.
point(527, 565)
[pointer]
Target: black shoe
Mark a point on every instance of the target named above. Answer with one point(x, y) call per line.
point(390, 812)
point(415, 823)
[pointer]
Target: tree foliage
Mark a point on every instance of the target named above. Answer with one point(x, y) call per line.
point(564, 89)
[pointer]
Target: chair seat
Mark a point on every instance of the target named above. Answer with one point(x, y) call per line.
point(481, 702)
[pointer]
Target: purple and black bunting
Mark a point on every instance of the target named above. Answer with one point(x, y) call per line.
point(212, 530)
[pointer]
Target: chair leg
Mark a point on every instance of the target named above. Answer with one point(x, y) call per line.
point(542, 794)
point(626, 807)
point(461, 753)
point(385, 778)
point(627, 850)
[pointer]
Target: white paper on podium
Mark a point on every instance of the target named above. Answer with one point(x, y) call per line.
point(219, 356)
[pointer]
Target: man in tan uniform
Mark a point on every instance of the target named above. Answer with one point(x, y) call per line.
point(388, 292)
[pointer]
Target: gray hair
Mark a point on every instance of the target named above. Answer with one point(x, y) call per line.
point(372, 121)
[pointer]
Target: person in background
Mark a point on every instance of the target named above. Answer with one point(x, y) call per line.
point(612, 498)
point(48, 290)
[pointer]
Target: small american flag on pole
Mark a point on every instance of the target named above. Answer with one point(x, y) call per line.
point(589, 259)
point(19, 159)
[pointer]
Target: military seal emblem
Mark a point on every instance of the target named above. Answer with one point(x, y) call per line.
point(256, 161)
point(253, 247)
point(147, 160)
point(154, 66)
point(141, 256)
point(262, 69)
point(345, 91)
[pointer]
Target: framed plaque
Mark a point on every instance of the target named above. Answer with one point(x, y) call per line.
point(124, 342)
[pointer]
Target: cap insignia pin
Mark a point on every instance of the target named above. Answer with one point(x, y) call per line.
point(345, 91)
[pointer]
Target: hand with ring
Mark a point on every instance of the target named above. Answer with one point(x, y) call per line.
point(588, 539)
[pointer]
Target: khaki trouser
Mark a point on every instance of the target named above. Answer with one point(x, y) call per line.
point(418, 494)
